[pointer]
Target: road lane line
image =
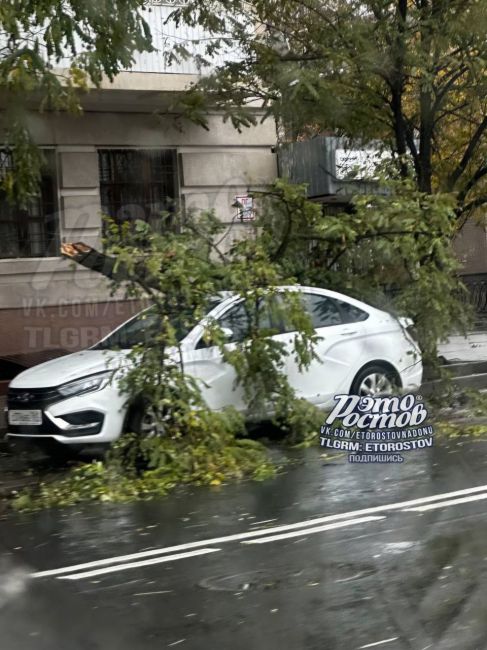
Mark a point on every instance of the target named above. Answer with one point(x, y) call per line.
point(310, 531)
point(373, 645)
point(151, 593)
point(135, 565)
point(260, 532)
point(446, 504)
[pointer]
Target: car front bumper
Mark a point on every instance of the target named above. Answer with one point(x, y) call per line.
point(92, 418)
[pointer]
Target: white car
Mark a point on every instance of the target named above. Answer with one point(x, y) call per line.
point(72, 400)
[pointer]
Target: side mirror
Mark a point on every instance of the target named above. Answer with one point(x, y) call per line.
point(227, 333)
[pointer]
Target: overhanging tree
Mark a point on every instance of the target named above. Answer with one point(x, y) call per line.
point(50, 53)
point(407, 73)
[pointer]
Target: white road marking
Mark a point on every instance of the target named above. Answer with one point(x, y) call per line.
point(373, 645)
point(134, 565)
point(261, 532)
point(446, 504)
point(152, 593)
point(310, 531)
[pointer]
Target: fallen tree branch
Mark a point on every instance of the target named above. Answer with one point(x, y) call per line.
point(92, 259)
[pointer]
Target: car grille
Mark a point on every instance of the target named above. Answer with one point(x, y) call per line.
point(32, 398)
point(41, 398)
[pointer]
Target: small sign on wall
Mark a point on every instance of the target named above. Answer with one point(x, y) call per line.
point(245, 207)
point(358, 164)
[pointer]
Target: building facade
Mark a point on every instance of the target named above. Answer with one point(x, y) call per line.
point(127, 157)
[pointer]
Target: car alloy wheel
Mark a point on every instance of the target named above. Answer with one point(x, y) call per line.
point(376, 383)
point(151, 426)
point(143, 421)
point(376, 380)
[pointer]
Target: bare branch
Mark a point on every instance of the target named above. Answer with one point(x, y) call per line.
point(467, 208)
point(442, 91)
point(479, 174)
point(469, 152)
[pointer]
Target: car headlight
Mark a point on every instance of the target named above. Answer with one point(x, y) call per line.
point(86, 384)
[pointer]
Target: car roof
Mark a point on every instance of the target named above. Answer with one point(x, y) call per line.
point(232, 297)
point(330, 294)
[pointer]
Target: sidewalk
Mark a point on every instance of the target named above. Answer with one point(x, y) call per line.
point(460, 348)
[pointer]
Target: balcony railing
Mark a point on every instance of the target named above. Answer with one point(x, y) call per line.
point(165, 35)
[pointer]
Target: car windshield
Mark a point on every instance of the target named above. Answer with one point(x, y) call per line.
point(143, 328)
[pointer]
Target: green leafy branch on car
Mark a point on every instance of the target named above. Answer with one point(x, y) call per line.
point(393, 249)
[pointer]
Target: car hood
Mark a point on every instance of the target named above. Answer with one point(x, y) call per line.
point(68, 368)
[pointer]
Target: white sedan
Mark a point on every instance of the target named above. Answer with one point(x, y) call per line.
point(72, 400)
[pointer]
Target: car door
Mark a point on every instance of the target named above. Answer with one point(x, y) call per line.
point(341, 328)
point(204, 362)
point(217, 378)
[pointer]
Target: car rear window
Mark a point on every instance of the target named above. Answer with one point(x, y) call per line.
point(352, 314)
point(323, 311)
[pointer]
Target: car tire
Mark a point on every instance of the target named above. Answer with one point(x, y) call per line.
point(143, 423)
point(375, 380)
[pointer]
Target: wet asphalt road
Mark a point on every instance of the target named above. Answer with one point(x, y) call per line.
point(392, 578)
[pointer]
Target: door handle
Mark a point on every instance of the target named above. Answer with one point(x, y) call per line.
point(348, 332)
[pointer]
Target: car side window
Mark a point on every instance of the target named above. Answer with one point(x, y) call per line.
point(323, 311)
point(143, 328)
point(237, 319)
point(352, 314)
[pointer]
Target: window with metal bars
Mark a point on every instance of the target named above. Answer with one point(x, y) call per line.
point(31, 230)
point(138, 184)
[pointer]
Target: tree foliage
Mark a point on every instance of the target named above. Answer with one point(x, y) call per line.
point(182, 272)
point(50, 52)
point(407, 73)
point(391, 249)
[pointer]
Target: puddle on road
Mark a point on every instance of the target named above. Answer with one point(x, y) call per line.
point(265, 580)
point(396, 548)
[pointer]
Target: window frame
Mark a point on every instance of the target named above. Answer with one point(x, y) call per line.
point(171, 180)
point(47, 206)
point(199, 344)
point(337, 302)
point(195, 338)
point(322, 296)
point(352, 322)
